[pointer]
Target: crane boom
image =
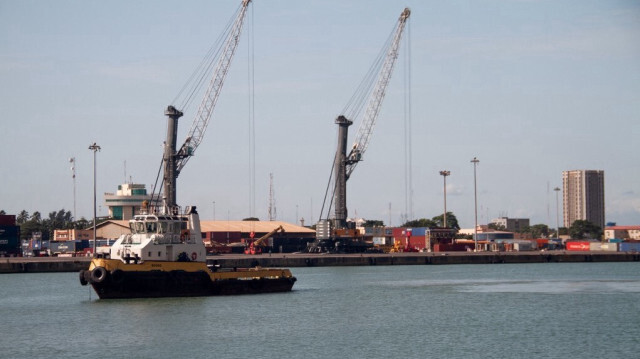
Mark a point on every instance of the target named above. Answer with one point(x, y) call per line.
point(210, 98)
point(174, 161)
point(345, 164)
point(365, 130)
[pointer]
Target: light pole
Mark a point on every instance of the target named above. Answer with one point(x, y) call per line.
point(444, 175)
point(475, 195)
point(557, 189)
point(95, 148)
point(72, 160)
point(214, 210)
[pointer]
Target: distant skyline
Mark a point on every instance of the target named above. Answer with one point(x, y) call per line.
point(531, 88)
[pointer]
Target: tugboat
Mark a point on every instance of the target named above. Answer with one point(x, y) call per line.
point(164, 255)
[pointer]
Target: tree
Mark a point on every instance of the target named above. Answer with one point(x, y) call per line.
point(422, 222)
point(373, 223)
point(22, 217)
point(537, 230)
point(581, 228)
point(2, 212)
point(452, 221)
point(496, 227)
point(82, 223)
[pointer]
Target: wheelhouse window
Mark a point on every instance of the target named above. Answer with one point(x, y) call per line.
point(137, 227)
point(151, 227)
point(163, 227)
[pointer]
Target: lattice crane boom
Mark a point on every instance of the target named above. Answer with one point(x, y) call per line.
point(205, 110)
point(365, 130)
point(173, 161)
point(345, 164)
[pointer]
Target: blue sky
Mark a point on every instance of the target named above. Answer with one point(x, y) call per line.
point(530, 88)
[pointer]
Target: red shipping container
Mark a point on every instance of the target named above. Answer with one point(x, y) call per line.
point(417, 242)
point(7, 220)
point(578, 246)
point(398, 232)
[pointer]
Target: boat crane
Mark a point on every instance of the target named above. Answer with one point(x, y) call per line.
point(344, 163)
point(174, 161)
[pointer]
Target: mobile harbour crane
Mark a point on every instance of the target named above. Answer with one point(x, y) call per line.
point(335, 235)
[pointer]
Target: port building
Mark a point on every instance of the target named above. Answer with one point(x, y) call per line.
point(511, 224)
point(583, 197)
point(126, 202)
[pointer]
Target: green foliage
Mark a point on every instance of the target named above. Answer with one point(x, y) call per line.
point(35, 223)
point(422, 222)
point(581, 229)
point(254, 219)
point(452, 221)
point(537, 230)
point(373, 223)
point(496, 227)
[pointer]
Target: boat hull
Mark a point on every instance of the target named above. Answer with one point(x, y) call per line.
point(130, 282)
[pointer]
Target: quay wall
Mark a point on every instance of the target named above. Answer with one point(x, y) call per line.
point(39, 265)
point(419, 259)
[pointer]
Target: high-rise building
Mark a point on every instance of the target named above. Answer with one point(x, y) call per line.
point(583, 196)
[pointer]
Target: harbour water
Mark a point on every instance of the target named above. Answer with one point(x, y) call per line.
point(550, 310)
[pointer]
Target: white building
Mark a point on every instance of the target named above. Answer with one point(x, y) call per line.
point(126, 202)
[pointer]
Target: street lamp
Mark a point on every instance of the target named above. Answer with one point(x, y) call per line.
point(475, 195)
point(557, 189)
point(214, 210)
point(444, 175)
point(95, 148)
point(72, 160)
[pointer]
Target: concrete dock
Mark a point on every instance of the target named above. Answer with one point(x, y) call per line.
point(290, 260)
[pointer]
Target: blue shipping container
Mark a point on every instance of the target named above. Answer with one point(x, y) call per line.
point(629, 247)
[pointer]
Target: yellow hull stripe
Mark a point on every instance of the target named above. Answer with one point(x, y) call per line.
point(147, 266)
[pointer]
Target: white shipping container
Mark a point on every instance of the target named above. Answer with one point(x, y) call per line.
point(379, 241)
point(609, 247)
point(522, 246)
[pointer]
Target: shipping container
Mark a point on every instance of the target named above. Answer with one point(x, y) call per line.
point(578, 246)
point(417, 242)
point(62, 247)
point(7, 220)
point(10, 241)
point(380, 241)
point(629, 247)
point(418, 231)
point(455, 247)
point(374, 231)
point(398, 232)
point(523, 246)
point(597, 246)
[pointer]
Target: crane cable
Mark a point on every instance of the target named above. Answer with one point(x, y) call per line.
point(200, 75)
point(353, 108)
point(408, 178)
point(252, 115)
point(356, 103)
